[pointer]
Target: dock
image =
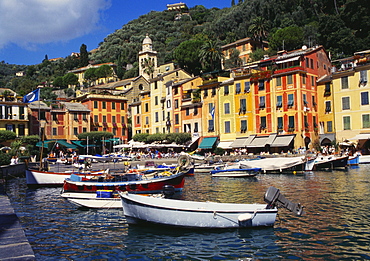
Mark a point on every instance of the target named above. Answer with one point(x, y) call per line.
point(14, 244)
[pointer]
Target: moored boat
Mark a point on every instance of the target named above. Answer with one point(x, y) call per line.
point(205, 168)
point(364, 159)
point(235, 172)
point(331, 162)
point(107, 199)
point(277, 164)
point(49, 178)
point(204, 215)
point(136, 182)
point(353, 160)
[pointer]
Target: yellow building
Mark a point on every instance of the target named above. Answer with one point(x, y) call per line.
point(351, 96)
point(326, 112)
point(80, 72)
point(176, 7)
point(161, 99)
point(211, 121)
point(245, 47)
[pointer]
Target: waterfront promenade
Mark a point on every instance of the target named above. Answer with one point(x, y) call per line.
point(13, 243)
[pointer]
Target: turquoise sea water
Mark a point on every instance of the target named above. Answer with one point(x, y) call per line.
point(336, 225)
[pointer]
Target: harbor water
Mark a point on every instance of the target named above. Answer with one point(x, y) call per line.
point(336, 225)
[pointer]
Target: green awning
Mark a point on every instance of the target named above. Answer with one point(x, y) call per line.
point(207, 143)
point(39, 144)
point(61, 142)
point(80, 143)
point(66, 144)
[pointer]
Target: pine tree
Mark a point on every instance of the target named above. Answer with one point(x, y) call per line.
point(84, 56)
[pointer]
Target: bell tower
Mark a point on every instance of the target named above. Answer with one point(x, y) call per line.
point(147, 59)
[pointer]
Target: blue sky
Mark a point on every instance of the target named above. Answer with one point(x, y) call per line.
point(31, 29)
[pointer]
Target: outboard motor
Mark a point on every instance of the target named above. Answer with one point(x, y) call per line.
point(168, 191)
point(273, 198)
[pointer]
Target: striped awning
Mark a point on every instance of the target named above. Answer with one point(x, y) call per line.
point(283, 141)
point(259, 142)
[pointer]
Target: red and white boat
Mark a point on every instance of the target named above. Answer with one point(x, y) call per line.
point(95, 193)
point(49, 178)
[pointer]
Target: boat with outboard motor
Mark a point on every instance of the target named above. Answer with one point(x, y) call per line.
point(146, 210)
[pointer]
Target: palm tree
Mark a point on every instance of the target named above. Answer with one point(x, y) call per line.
point(148, 65)
point(211, 55)
point(258, 29)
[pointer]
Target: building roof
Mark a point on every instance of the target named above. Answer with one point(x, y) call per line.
point(82, 69)
point(74, 106)
point(38, 105)
point(239, 42)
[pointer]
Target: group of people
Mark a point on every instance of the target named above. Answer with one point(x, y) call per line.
point(14, 160)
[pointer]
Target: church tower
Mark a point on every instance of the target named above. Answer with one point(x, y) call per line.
point(147, 59)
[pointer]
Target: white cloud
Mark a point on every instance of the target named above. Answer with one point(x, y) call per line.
point(30, 22)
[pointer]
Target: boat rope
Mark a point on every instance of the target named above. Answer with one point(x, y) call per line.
point(236, 221)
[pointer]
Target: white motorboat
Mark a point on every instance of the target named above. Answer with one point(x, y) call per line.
point(100, 199)
point(190, 214)
point(277, 164)
point(364, 159)
point(49, 178)
point(330, 162)
point(235, 172)
point(205, 168)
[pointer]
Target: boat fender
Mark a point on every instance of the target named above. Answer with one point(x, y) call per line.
point(245, 220)
point(183, 161)
point(245, 217)
point(168, 191)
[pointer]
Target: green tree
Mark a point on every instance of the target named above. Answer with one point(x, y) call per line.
point(31, 70)
point(4, 158)
point(141, 137)
point(186, 55)
point(234, 61)
point(288, 38)
point(46, 93)
point(84, 56)
point(178, 138)
point(30, 143)
point(90, 75)
point(104, 71)
point(6, 135)
point(120, 68)
point(211, 55)
point(156, 137)
point(59, 82)
point(96, 137)
point(70, 79)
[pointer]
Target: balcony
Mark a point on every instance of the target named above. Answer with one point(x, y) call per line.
point(261, 76)
point(288, 70)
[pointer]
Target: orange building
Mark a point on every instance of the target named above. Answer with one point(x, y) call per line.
point(108, 112)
